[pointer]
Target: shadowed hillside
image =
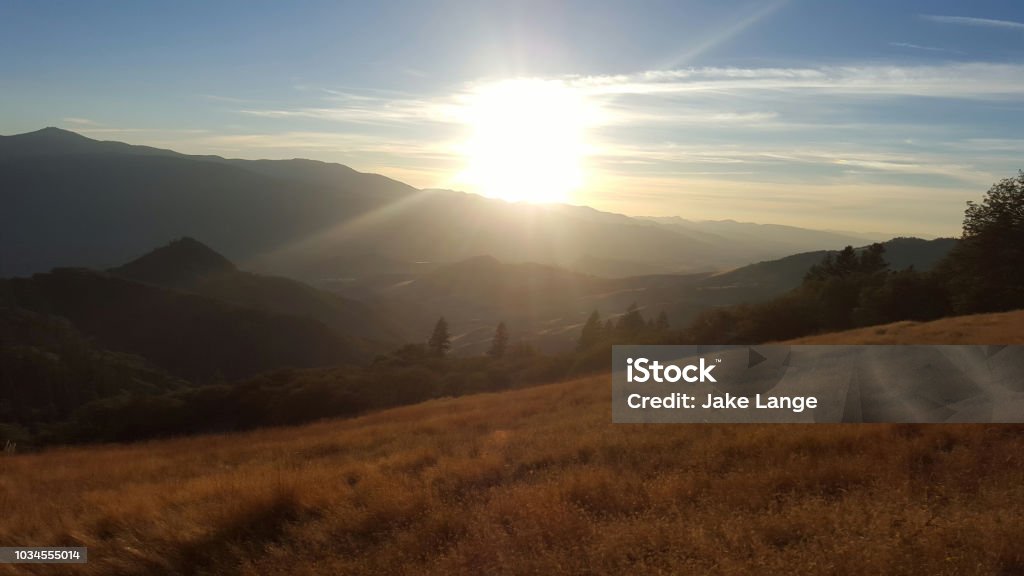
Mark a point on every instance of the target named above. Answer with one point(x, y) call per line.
point(531, 481)
point(186, 334)
point(190, 266)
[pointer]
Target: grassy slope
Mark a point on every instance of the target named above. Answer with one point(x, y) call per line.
point(1003, 328)
point(530, 481)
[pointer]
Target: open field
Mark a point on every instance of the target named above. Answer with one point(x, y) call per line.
point(533, 481)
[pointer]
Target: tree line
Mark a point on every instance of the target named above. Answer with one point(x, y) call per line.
point(983, 273)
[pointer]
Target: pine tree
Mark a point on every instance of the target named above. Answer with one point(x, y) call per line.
point(593, 331)
point(500, 341)
point(661, 324)
point(440, 341)
point(632, 323)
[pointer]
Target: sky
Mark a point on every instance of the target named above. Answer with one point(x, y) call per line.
point(873, 116)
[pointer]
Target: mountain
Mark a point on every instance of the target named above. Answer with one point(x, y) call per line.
point(777, 276)
point(547, 305)
point(181, 264)
point(190, 336)
point(189, 265)
point(768, 238)
point(74, 201)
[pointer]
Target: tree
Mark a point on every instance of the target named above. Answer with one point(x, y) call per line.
point(632, 322)
point(440, 341)
point(592, 333)
point(872, 259)
point(662, 324)
point(905, 295)
point(499, 342)
point(835, 285)
point(985, 272)
point(847, 262)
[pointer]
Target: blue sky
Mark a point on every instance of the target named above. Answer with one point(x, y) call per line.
point(875, 116)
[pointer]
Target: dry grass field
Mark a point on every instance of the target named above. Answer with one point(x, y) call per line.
point(533, 481)
point(1002, 328)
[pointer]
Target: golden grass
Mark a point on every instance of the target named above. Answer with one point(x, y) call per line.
point(533, 481)
point(1002, 328)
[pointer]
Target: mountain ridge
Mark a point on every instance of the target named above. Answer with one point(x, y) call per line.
point(311, 220)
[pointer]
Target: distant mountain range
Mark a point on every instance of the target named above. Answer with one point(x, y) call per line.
point(72, 201)
point(547, 306)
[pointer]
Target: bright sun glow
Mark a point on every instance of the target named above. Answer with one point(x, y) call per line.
point(527, 141)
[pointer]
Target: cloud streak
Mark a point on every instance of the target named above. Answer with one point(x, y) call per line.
point(923, 48)
point(971, 21)
point(971, 80)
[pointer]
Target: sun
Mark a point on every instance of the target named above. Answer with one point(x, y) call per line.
point(526, 141)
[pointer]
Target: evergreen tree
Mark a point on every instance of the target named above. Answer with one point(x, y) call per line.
point(593, 331)
point(662, 324)
point(440, 341)
point(985, 272)
point(500, 341)
point(632, 322)
point(872, 259)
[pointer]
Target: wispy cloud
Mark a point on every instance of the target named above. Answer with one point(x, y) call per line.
point(971, 21)
point(924, 48)
point(686, 96)
point(970, 80)
point(80, 121)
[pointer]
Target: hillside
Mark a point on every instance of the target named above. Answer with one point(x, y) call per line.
point(999, 328)
point(190, 266)
point(74, 201)
point(190, 336)
point(530, 481)
point(548, 305)
point(48, 369)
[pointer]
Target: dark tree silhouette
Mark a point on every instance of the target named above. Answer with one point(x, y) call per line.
point(985, 271)
point(499, 343)
point(593, 331)
point(632, 322)
point(662, 324)
point(440, 340)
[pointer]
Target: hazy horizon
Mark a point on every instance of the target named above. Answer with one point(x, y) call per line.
point(869, 118)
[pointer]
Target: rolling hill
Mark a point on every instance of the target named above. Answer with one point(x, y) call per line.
point(190, 266)
point(548, 305)
point(188, 335)
point(533, 481)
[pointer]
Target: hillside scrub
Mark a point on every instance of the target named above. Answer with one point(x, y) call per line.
point(530, 481)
